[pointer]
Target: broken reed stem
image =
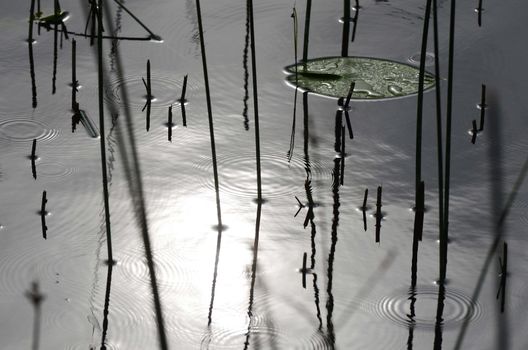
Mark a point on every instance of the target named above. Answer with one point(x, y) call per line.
point(34, 159)
point(304, 270)
point(43, 215)
point(306, 31)
point(364, 207)
point(102, 130)
point(479, 13)
point(356, 18)
point(184, 89)
point(378, 214)
point(504, 274)
point(169, 130)
point(182, 101)
point(482, 106)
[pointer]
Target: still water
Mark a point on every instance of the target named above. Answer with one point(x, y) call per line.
point(228, 266)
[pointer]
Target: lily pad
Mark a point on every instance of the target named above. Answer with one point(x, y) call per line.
point(374, 78)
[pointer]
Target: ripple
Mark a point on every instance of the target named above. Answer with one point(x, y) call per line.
point(166, 91)
point(25, 130)
point(172, 272)
point(279, 177)
point(54, 170)
point(457, 308)
point(18, 268)
point(429, 59)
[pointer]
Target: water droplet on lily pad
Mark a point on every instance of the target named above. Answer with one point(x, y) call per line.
point(375, 78)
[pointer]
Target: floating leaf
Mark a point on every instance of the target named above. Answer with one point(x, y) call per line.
point(375, 78)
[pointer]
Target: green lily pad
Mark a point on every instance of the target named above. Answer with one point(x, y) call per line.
point(374, 78)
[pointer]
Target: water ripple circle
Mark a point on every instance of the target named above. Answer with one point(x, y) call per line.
point(457, 308)
point(25, 130)
point(165, 91)
point(279, 177)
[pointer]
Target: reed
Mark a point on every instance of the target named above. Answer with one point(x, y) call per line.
point(449, 115)
point(183, 101)
point(102, 145)
point(74, 74)
point(419, 107)
point(343, 155)
point(148, 102)
point(346, 28)
point(439, 147)
point(255, 98)
point(306, 31)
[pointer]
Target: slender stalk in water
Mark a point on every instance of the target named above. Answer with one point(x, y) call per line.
point(306, 31)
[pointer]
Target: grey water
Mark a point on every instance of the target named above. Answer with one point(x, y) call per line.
point(238, 283)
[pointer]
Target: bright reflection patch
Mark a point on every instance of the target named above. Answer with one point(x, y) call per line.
point(375, 78)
